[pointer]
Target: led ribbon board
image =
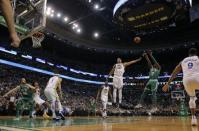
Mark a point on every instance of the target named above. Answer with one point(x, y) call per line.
point(142, 15)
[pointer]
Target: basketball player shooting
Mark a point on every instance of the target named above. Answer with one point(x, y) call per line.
point(118, 71)
point(8, 14)
point(190, 68)
point(51, 92)
point(26, 91)
point(152, 84)
point(105, 92)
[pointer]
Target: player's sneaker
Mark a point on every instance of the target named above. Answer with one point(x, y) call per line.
point(194, 121)
point(56, 119)
point(153, 110)
point(138, 106)
point(45, 116)
point(104, 115)
point(61, 115)
point(33, 115)
point(17, 119)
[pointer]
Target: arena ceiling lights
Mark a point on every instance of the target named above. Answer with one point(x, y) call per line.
point(75, 26)
point(54, 14)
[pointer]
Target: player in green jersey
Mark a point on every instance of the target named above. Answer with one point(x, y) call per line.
point(26, 92)
point(152, 84)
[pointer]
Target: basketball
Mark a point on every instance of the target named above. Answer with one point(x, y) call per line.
point(137, 40)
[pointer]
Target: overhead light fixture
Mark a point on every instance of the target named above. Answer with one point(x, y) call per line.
point(58, 15)
point(79, 30)
point(96, 34)
point(52, 15)
point(66, 19)
point(96, 6)
point(75, 25)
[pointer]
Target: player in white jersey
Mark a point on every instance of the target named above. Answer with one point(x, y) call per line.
point(105, 93)
point(118, 71)
point(40, 103)
point(51, 92)
point(190, 68)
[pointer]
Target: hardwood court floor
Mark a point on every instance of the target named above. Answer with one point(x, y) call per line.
point(99, 124)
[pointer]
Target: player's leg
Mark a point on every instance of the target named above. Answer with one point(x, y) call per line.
point(115, 85)
point(31, 105)
point(192, 106)
point(19, 107)
point(52, 100)
point(104, 113)
point(46, 106)
point(60, 109)
point(190, 86)
point(53, 109)
point(43, 106)
point(36, 109)
point(120, 95)
point(145, 92)
point(8, 14)
point(154, 95)
point(120, 85)
point(114, 95)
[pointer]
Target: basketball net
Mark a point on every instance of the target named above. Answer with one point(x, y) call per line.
point(37, 38)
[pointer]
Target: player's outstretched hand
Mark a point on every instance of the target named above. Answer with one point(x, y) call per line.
point(15, 40)
point(165, 87)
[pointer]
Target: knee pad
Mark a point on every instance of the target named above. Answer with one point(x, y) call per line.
point(192, 102)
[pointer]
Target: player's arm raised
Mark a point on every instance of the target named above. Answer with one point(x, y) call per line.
point(11, 91)
point(132, 62)
point(112, 71)
point(147, 59)
point(154, 60)
point(177, 70)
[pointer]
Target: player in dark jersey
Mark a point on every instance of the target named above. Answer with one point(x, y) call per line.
point(152, 84)
point(26, 92)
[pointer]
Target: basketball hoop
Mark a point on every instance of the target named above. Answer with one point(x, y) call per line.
point(37, 38)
